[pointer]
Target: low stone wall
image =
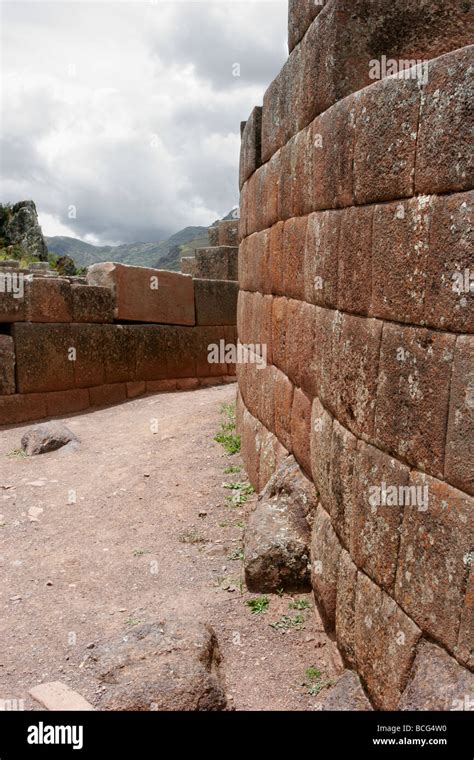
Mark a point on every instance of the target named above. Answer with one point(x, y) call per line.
point(356, 247)
point(65, 346)
point(219, 261)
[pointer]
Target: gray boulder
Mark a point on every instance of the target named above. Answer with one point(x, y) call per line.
point(20, 226)
point(167, 666)
point(47, 436)
point(277, 536)
point(347, 695)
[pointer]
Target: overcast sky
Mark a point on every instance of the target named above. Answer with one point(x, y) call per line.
point(130, 111)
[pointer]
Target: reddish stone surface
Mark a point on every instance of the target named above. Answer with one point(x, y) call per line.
point(120, 343)
point(251, 146)
point(300, 344)
point(152, 353)
point(160, 386)
point(459, 459)
point(276, 259)
point(293, 245)
point(301, 13)
point(90, 346)
point(48, 300)
point(384, 152)
point(341, 483)
point(7, 365)
point(218, 263)
point(345, 607)
point(250, 435)
point(354, 260)
point(147, 295)
point(450, 264)
point(464, 650)
point(216, 302)
point(325, 553)
point(378, 505)
point(332, 146)
point(42, 357)
point(103, 395)
point(288, 181)
point(385, 643)
point(354, 372)
point(91, 304)
point(444, 158)
point(254, 264)
point(265, 387)
point(22, 408)
point(279, 333)
point(433, 563)
point(229, 232)
point(303, 201)
point(283, 389)
point(327, 331)
point(413, 395)
point(188, 383)
point(60, 403)
point(400, 257)
point(136, 388)
point(188, 352)
point(321, 258)
point(301, 429)
point(438, 682)
point(12, 308)
point(320, 451)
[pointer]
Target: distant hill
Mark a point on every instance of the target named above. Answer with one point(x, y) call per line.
point(139, 254)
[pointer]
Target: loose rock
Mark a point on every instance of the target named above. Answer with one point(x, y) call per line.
point(45, 437)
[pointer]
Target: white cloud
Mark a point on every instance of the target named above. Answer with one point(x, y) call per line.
point(129, 111)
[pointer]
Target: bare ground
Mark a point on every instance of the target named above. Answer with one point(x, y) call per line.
point(133, 547)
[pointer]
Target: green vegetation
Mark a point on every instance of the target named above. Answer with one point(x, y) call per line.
point(17, 453)
point(227, 435)
point(299, 604)
point(286, 622)
point(258, 605)
point(241, 492)
point(191, 536)
point(237, 554)
point(313, 681)
point(232, 469)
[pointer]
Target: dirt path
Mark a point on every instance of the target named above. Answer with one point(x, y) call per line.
point(133, 547)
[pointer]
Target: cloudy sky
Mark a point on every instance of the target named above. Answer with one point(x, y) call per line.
point(130, 111)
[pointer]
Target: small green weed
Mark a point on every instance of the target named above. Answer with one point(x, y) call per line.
point(299, 604)
point(258, 605)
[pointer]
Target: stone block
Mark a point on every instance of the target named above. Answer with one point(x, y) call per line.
point(48, 300)
point(188, 265)
point(320, 450)
point(332, 146)
point(301, 323)
point(433, 562)
point(400, 257)
point(301, 14)
point(106, 395)
point(325, 554)
point(90, 351)
point(459, 459)
point(136, 388)
point(444, 157)
point(449, 302)
point(379, 499)
point(229, 232)
point(385, 644)
point(354, 260)
point(279, 333)
point(57, 696)
point(437, 682)
point(321, 258)
point(188, 352)
point(7, 365)
point(146, 295)
point(216, 302)
point(219, 263)
point(12, 296)
point(345, 607)
point(61, 403)
point(276, 259)
point(341, 485)
point(385, 148)
point(251, 146)
point(43, 357)
point(22, 408)
point(152, 353)
point(354, 372)
point(347, 695)
point(413, 395)
point(293, 248)
point(120, 344)
point(92, 304)
point(301, 429)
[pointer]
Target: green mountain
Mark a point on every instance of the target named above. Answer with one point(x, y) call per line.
point(139, 254)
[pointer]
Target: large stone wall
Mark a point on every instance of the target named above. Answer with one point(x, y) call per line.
point(354, 266)
point(67, 344)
